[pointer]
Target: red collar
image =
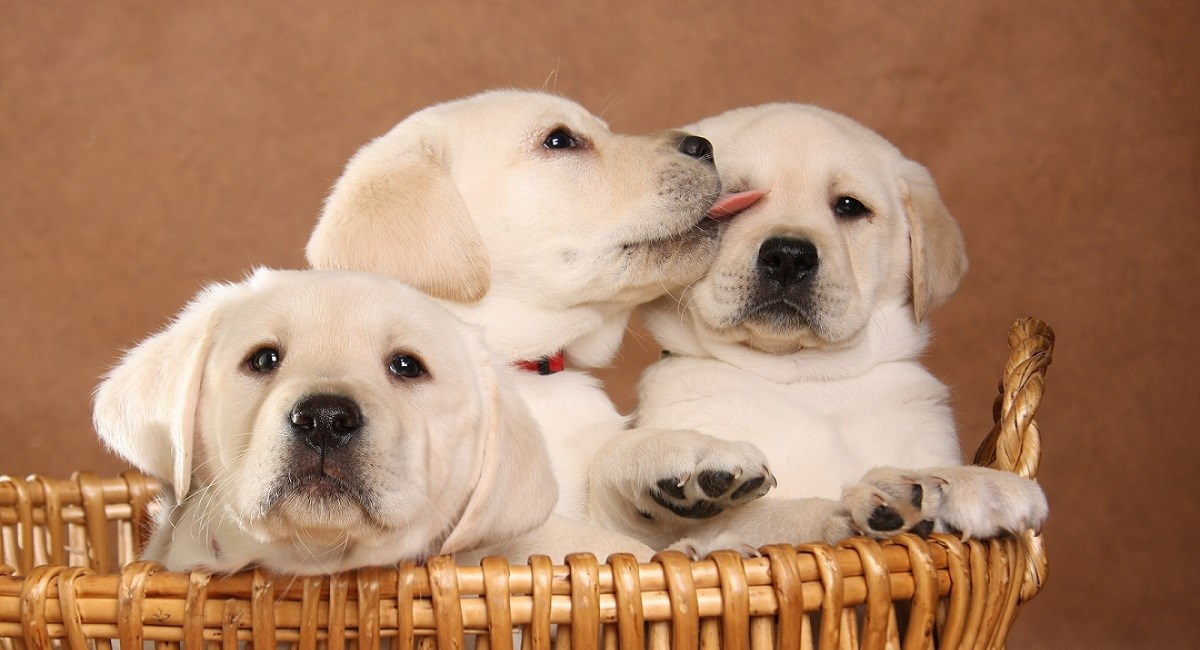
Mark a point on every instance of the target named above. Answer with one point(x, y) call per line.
point(544, 365)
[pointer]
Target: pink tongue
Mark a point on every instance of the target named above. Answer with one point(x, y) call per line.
point(728, 205)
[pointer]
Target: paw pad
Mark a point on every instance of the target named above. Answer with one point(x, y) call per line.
point(710, 491)
point(699, 509)
point(885, 519)
point(715, 483)
point(922, 529)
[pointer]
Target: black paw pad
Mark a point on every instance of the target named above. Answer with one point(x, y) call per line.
point(645, 515)
point(922, 529)
point(885, 519)
point(715, 482)
point(748, 487)
point(918, 494)
point(702, 509)
point(671, 488)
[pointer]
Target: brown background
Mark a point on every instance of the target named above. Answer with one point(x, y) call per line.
point(144, 152)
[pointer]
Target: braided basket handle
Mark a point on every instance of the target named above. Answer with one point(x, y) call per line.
point(1014, 444)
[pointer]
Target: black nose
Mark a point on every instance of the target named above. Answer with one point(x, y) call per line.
point(696, 147)
point(326, 421)
point(787, 260)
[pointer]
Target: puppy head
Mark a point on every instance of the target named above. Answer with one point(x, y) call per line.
point(527, 196)
point(333, 406)
point(848, 225)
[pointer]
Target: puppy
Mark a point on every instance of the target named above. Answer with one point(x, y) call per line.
point(524, 214)
point(803, 339)
point(316, 421)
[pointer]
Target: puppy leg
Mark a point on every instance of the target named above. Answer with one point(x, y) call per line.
point(984, 502)
point(974, 501)
point(768, 521)
point(656, 483)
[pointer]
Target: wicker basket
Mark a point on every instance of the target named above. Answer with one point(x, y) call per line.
point(70, 579)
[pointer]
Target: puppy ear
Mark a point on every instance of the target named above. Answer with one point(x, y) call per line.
point(939, 256)
point(145, 409)
point(516, 490)
point(396, 211)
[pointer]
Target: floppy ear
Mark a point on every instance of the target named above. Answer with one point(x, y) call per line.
point(396, 211)
point(516, 490)
point(145, 409)
point(939, 256)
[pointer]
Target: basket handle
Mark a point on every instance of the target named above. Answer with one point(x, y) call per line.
point(1015, 444)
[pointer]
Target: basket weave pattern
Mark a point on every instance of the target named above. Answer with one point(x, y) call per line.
point(68, 578)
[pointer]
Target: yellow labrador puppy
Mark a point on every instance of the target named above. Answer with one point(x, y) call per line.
point(316, 421)
point(524, 214)
point(803, 339)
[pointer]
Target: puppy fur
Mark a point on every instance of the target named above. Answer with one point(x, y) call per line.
point(803, 340)
point(524, 214)
point(425, 464)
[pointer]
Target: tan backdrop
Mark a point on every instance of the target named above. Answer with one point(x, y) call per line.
point(144, 152)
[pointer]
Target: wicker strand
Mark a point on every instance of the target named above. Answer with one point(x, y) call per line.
point(919, 634)
point(406, 579)
point(498, 597)
point(231, 621)
point(339, 593)
point(96, 521)
point(69, 607)
point(956, 609)
point(310, 610)
point(832, 600)
point(33, 605)
point(23, 560)
point(789, 593)
point(131, 600)
point(735, 597)
point(447, 610)
point(980, 584)
point(53, 526)
point(541, 587)
point(262, 610)
point(585, 600)
point(627, 590)
point(879, 592)
point(681, 590)
point(368, 608)
point(141, 492)
point(193, 608)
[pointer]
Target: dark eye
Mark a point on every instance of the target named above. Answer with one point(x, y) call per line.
point(264, 359)
point(406, 366)
point(560, 138)
point(849, 207)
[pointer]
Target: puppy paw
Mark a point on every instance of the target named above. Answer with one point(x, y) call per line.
point(698, 549)
point(889, 501)
point(971, 501)
point(982, 502)
point(703, 477)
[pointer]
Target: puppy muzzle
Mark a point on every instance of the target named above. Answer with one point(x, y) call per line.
point(325, 460)
point(782, 292)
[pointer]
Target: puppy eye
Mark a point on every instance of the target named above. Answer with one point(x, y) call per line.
point(264, 359)
point(849, 207)
point(406, 366)
point(560, 138)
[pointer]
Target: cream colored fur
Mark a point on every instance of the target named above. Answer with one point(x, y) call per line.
point(431, 471)
point(828, 386)
point(546, 249)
